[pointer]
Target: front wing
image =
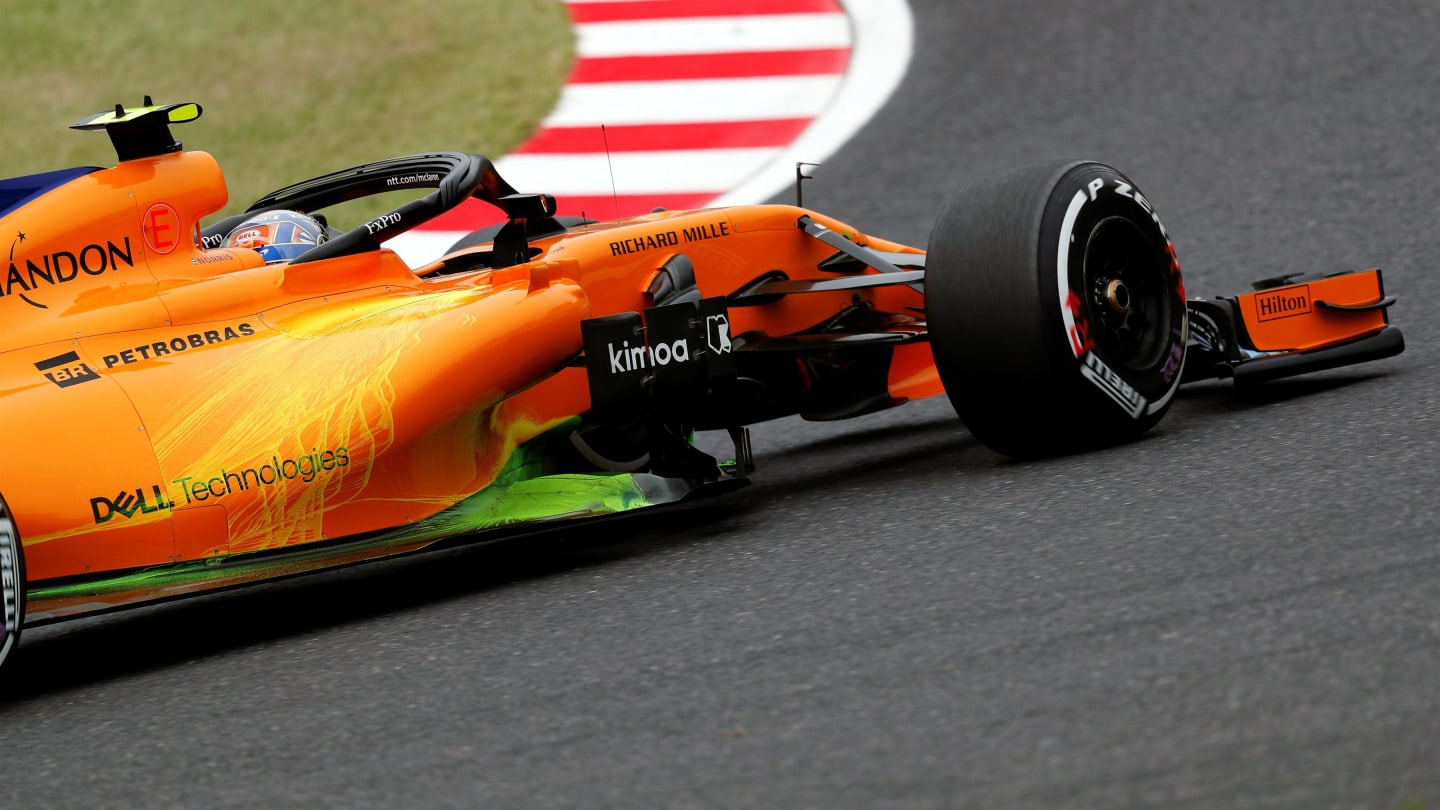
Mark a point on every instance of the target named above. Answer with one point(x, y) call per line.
point(1291, 325)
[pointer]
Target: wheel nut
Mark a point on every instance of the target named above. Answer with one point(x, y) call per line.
point(1118, 296)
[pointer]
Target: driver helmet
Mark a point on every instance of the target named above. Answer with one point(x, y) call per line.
point(279, 235)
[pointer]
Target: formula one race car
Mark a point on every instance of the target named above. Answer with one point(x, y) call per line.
point(185, 412)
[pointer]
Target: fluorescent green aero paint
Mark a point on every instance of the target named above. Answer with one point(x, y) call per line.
point(541, 500)
point(552, 497)
point(527, 491)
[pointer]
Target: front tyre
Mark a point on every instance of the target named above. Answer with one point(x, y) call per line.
point(1056, 309)
point(12, 586)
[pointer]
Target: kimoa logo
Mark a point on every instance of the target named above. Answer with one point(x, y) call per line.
point(717, 333)
point(28, 274)
point(633, 358)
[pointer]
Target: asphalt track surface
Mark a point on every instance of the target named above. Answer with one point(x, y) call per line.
point(1241, 610)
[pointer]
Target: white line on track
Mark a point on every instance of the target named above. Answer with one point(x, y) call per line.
point(712, 170)
point(772, 32)
point(695, 100)
point(884, 43)
point(882, 32)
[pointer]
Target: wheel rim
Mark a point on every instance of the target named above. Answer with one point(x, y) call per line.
point(1127, 295)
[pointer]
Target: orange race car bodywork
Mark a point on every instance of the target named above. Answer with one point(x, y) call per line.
point(182, 416)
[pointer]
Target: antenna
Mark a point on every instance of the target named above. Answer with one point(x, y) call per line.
point(800, 177)
point(613, 192)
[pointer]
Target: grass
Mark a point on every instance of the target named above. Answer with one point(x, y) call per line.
point(290, 90)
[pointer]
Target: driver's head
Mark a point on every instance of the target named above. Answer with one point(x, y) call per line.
point(279, 235)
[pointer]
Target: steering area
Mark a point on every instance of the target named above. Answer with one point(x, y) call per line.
point(455, 176)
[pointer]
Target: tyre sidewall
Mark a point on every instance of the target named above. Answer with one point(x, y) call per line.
point(12, 582)
point(1112, 390)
